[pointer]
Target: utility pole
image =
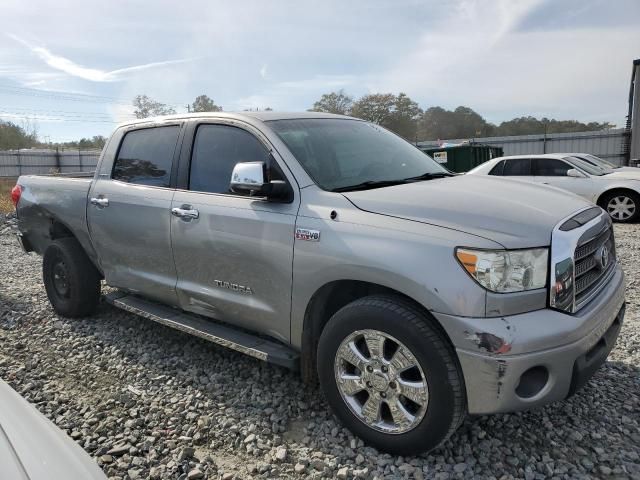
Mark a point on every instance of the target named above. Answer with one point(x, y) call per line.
point(188, 108)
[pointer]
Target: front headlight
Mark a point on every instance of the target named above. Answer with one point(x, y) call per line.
point(506, 271)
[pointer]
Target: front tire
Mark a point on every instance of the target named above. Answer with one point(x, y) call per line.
point(622, 206)
point(390, 375)
point(72, 282)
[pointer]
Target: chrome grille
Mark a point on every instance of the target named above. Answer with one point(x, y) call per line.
point(590, 269)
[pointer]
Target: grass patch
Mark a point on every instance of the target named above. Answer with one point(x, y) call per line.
point(6, 184)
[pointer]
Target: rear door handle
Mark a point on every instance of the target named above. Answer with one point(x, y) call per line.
point(185, 212)
point(99, 202)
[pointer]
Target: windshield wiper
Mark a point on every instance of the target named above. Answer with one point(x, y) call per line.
point(428, 176)
point(369, 184)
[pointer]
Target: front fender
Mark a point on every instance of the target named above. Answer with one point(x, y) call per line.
point(412, 258)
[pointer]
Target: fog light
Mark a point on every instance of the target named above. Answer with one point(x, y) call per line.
point(532, 382)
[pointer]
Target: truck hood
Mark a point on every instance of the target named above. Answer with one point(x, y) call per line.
point(514, 213)
point(33, 448)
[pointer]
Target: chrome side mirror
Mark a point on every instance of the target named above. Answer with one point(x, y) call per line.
point(251, 178)
point(572, 172)
point(248, 177)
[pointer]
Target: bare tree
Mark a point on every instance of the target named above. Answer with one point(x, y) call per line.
point(148, 107)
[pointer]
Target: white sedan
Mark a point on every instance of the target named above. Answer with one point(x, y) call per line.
point(615, 190)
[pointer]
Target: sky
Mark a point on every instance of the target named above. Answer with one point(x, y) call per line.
point(71, 67)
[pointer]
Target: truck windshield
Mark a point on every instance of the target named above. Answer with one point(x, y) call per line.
point(343, 154)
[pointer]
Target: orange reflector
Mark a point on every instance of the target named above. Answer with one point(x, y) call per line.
point(468, 260)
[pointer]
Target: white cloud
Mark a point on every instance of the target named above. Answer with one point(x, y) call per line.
point(69, 67)
point(263, 71)
point(478, 57)
point(285, 95)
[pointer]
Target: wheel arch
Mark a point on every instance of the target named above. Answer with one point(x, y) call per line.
point(330, 298)
point(58, 229)
point(613, 190)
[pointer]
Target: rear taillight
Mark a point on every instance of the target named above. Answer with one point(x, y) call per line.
point(15, 195)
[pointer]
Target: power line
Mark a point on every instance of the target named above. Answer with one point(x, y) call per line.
point(68, 112)
point(64, 114)
point(65, 96)
point(52, 119)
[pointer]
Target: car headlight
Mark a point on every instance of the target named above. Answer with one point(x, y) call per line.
point(506, 271)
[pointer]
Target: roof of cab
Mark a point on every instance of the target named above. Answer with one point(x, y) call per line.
point(261, 116)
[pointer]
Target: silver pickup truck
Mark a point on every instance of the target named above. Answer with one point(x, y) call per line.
point(330, 245)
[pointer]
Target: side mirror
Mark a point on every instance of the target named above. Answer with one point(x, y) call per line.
point(572, 172)
point(251, 178)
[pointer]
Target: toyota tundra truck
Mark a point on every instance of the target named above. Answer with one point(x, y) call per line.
point(329, 245)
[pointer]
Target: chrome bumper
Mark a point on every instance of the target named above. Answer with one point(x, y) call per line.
point(500, 356)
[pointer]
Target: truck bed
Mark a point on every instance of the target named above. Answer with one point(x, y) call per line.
point(60, 198)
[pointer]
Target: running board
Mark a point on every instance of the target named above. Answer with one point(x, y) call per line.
point(235, 339)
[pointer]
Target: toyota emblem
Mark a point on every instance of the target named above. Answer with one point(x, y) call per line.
point(604, 257)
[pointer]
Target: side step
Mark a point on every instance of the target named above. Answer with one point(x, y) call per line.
point(241, 341)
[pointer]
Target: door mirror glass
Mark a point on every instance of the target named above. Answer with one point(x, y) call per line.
point(572, 172)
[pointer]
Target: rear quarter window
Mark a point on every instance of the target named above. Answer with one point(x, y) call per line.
point(497, 169)
point(146, 156)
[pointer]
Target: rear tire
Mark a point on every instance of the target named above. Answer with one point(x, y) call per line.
point(72, 282)
point(623, 206)
point(391, 376)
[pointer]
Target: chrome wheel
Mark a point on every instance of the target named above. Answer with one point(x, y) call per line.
point(621, 207)
point(381, 381)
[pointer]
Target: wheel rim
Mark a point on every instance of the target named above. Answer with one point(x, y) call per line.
point(381, 381)
point(60, 278)
point(621, 207)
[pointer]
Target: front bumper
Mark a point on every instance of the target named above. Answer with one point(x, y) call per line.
point(523, 361)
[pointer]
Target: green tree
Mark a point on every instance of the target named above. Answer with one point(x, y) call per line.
point(404, 117)
point(529, 125)
point(375, 108)
point(203, 103)
point(147, 107)
point(463, 122)
point(398, 113)
point(334, 102)
point(13, 136)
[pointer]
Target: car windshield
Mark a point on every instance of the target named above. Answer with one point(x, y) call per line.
point(588, 167)
point(343, 154)
point(600, 162)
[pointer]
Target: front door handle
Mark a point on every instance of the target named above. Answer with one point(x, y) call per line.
point(99, 202)
point(185, 212)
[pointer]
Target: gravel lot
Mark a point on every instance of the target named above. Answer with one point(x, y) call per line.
point(149, 402)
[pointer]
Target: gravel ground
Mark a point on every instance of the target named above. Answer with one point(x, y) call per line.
point(150, 402)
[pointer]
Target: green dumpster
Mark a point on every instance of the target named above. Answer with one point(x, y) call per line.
point(462, 157)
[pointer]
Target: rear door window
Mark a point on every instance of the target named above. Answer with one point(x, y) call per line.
point(146, 156)
point(517, 167)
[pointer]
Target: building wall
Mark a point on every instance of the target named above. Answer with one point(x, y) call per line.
point(635, 113)
point(607, 144)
